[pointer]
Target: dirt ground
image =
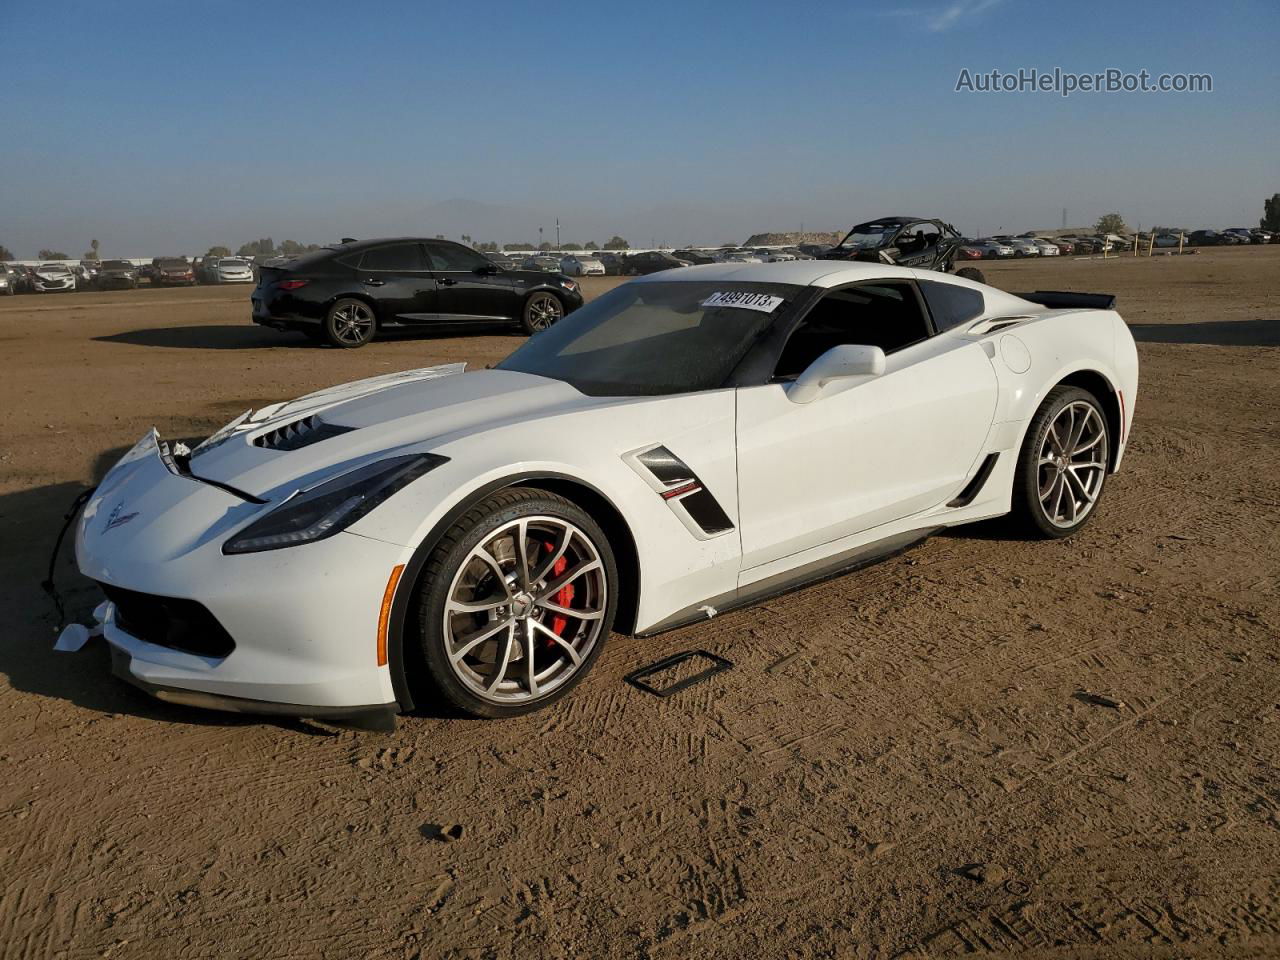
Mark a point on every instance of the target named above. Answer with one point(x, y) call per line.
point(909, 761)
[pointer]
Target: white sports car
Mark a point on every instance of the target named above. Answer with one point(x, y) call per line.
point(687, 443)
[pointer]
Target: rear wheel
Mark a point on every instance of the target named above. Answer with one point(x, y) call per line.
point(971, 273)
point(1062, 467)
point(516, 602)
point(349, 323)
point(542, 310)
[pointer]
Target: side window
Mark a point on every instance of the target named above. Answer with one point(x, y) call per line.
point(397, 258)
point(452, 257)
point(885, 315)
point(951, 304)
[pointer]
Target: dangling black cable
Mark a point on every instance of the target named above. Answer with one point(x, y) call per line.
point(67, 519)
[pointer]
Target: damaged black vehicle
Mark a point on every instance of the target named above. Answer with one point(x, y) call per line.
point(905, 242)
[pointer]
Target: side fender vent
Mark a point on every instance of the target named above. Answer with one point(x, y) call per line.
point(298, 434)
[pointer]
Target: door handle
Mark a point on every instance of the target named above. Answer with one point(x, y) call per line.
point(448, 282)
point(373, 283)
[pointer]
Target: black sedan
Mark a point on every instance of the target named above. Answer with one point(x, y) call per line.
point(346, 294)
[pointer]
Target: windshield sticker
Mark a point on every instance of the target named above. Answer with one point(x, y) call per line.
point(744, 301)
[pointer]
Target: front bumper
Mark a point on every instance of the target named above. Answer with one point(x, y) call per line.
point(304, 620)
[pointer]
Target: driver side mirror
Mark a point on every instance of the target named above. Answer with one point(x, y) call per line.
point(839, 363)
point(487, 269)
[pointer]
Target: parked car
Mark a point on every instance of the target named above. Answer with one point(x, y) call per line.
point(9, 280)
point(1080, 244)
point(775, 256)
point(695, 257)
point(992, 249)
point(173, 272)
point(471, 540)
point(652, 261)
point(1262, 236)
point(970, 250)
point(1046, 247)
point(147, 272)
point(1204, 238)
point(347, 294)
point(53, 278)
point(906, 241)
point(615, 264)
point(1021, 246)
point(816, 250)
point(581, 265)
point(1167, 240)
point(542, 261)
point(117, 274)
point(736, 256)
point(232, 270)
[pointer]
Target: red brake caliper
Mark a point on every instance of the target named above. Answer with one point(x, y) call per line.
point(563, 598)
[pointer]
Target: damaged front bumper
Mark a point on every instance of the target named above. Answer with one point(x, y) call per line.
point(244, 633)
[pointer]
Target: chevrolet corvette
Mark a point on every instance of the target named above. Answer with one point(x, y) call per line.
point(687, 443)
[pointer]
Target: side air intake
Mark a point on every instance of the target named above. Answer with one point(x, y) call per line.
point(299, 434)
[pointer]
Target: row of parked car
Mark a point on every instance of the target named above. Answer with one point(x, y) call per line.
point(123, 274)
point(620, 263)
point(1031, 245)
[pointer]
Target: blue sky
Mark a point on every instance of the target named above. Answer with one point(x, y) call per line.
point(172, 127)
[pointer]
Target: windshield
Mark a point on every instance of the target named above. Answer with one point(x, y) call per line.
point(869, 235)
point(117, 265)
point(173, 264)
point(55, 268)
point(233, 263)
point(648, 339)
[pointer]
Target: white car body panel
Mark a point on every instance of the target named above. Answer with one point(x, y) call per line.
point(872, 461)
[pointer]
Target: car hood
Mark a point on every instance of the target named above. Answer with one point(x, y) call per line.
point(274, 451)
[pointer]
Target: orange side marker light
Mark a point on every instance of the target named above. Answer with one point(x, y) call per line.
point(384, 615)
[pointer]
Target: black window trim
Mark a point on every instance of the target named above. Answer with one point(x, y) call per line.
point(756, 367)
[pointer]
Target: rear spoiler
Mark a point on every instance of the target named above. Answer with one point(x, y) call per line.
point(1059, 300)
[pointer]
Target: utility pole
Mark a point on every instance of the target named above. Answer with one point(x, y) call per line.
point(539, 238)
point(557, 233)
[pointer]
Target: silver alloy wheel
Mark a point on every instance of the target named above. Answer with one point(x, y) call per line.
point(1072, 464)
point(544, 310)
point(353, 323)
point(525, 609)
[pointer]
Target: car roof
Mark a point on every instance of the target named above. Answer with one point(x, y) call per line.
point(832, 273)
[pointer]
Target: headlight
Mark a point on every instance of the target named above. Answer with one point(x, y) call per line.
point(332, 506)
point(569, 285)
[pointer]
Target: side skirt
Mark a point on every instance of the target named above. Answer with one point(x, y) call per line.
point(820, 570)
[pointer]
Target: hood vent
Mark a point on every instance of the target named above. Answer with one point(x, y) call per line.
point(299, 434)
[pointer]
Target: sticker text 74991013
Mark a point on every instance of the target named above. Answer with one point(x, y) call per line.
point(764, 302)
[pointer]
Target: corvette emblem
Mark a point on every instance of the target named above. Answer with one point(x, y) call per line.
point(116, 518)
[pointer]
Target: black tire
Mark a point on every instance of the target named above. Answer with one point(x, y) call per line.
point(543, 309)
point(1032, 479)
point(447, 561)
point(971, 273)
point(349, 323)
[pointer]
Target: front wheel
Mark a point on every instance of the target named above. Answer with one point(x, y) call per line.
point(1062, 467)
point(349, 323)
point(516, 602)
point(541, 311)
